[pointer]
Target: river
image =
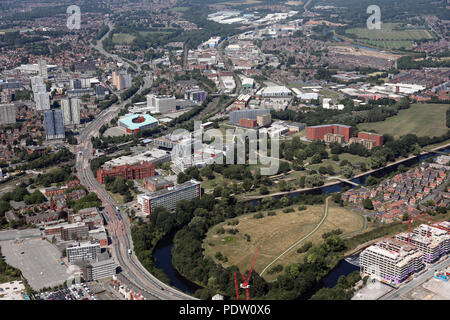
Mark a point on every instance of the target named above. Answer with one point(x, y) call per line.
point(163, 255)
point(163, 250)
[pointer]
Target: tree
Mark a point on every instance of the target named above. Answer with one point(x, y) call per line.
point(34, 198)
point(297, 165)
point(347, 171)
point(263, 190)
point(282, 186)
point(316, 158)
point(247, 184)
point(182, 178)
point(367, 204)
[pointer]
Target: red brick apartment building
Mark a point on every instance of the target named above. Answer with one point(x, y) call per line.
point(139, 171)
point(378, 138)
point(318, 132)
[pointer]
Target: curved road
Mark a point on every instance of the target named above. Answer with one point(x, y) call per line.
point(117, 223)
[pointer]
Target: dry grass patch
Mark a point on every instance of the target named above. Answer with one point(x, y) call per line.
point(277, 233)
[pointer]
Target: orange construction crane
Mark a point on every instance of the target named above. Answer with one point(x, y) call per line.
point(410, 221)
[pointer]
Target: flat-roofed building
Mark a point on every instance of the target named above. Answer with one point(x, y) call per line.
point(140, 170)
point(42, 100)
point(71, 111)
point(391, 260)
point(368, 144)
point(74, 231)
point(156, 183)
point(378, 138)
point(264, 120)
point(7, 113)
point(83, 251)
point(318, 132)
point(332, 137)
point(99, 270)
point(54, 124)
point(252, 114)
point(168, 198)
point(433, 240)
point(135, 122)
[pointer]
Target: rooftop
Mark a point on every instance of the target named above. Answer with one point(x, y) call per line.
point(130, 121)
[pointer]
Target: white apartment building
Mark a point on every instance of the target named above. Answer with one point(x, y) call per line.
point(71, 111)
point(391, 260)
point(168, 198)
point(165, 104)
point(7, 113)
point(42, 67)
point(82, 251)
point(431, 240)
point(99, 270)
point(42, 101)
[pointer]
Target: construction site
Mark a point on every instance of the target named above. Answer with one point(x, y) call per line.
point(398, 260)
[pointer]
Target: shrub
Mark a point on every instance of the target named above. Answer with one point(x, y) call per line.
point(258, 215)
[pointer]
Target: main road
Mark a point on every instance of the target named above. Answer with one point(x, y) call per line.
point(118, 226)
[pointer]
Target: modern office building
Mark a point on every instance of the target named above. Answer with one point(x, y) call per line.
point(161, 103)
point(251, 114)
point(195, 95)
point(83, 251)
point(71, 111)
point(7, 113)
point(168, 198)
point(54, 124)
point(136, 122)
point(391, 260)
point(318, 132)
point(141, 170)
point(93, 271)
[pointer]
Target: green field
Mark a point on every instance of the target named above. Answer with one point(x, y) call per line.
point(390, 36)
point(122, 38)
point(420, 119)
point(179, 9)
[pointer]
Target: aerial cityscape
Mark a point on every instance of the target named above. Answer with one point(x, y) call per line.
point(224, 150)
